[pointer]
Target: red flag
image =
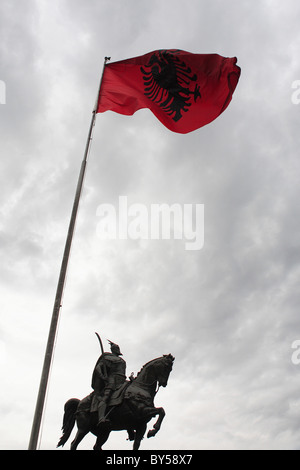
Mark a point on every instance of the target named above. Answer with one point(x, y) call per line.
point(184, 91)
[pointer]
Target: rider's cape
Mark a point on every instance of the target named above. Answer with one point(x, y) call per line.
point(98, 383)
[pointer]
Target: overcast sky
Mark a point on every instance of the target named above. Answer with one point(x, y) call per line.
point(228, 312)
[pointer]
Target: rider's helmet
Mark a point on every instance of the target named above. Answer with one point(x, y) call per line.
point(115, 348)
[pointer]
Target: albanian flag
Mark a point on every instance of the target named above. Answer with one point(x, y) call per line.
point(184, 91)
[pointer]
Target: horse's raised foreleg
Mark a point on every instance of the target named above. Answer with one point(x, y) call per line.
point(161, 414)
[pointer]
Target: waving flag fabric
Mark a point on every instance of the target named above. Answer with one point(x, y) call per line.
point(184, 91)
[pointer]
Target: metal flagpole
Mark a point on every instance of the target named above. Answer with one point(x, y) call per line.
point(60, 287)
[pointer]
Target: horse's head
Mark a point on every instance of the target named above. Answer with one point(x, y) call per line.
point(163, 369)
point(155, 372)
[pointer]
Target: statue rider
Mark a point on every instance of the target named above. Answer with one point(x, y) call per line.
point(108, 375)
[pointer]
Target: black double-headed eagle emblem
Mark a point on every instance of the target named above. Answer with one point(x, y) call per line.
point(167, 82)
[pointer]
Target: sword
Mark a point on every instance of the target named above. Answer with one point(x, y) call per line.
point(100, 341)
point(102, 351)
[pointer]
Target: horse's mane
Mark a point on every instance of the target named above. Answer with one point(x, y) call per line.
point(165, 356)
point(147, 364)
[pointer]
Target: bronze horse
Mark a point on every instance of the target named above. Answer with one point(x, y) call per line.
point(133, 413)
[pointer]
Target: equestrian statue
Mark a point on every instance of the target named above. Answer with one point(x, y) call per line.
point(117, 403)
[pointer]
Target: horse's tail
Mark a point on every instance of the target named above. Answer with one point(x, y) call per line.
point(68, 420)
